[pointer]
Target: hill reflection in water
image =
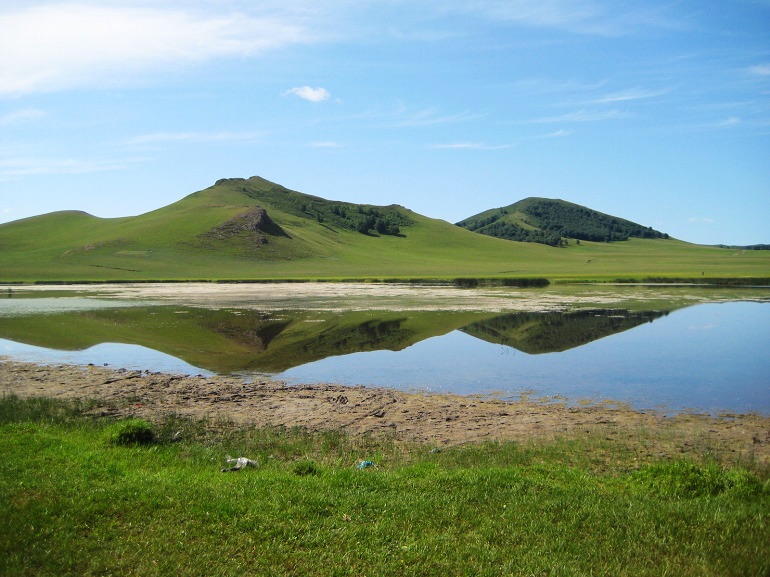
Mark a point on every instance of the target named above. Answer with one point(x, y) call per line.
point(537, 333)
point(704, 356)
point(240, 340)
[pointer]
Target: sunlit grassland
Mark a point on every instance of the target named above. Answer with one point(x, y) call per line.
point(171, 244)
point(74, 504)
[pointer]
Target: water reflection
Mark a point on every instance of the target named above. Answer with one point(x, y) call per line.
point(537, 333)
point(594, 353)
point(240, 340)
point(709, 358)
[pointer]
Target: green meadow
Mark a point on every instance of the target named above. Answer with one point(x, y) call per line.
point(183, 241)
point(79, 495)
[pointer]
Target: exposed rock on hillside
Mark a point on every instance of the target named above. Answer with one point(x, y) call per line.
point(254, 221)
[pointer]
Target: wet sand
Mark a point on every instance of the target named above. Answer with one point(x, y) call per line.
point(437, 419)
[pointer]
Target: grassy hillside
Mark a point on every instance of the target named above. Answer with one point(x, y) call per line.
point(216, 234)
point(553, 222)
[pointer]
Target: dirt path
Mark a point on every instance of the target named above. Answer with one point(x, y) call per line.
point(437, 419)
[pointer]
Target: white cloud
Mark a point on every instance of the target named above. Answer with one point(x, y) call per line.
point(21, 117)
point(72, 44)
point(159, 137)
point(701, 219)
point(727, 122)
point(575, 16)
point(631, 94)
point(760, 70)
point(27, 166)
point(584, 116)
point(570, 14)
point(404, 117)
point(459, 145)
point(557, 134)
point(470, 146)
point(310, 94)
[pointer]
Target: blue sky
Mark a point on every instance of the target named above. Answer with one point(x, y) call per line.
point(657, 111)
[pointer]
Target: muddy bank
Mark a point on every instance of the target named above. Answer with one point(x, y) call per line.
point(441, 420)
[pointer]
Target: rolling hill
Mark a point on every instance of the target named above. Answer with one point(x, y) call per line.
point(552, 222)
point(253, 229)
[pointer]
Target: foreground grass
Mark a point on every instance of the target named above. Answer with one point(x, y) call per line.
point(73, 502)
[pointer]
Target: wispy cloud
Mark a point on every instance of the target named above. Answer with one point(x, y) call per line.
point(575, 16)
point(470, 146)
point(583, 116)
point(21, 117)
point(405, 117)
point(760, 70)
point(701, 219)
point(727, 122)
point(194, 137)
point(324, 144)
point(28, 166)
point(556, 134)
point(70, 44)
point(310, 94)
point(629, 95)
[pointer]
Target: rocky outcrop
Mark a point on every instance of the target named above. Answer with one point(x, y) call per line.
point(254, 221)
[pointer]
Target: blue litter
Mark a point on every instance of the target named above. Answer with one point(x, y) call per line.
point(365, 464)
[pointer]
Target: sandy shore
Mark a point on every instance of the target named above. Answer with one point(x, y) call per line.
point(441, 420)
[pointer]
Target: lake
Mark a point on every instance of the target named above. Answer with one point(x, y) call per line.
point(665, 347)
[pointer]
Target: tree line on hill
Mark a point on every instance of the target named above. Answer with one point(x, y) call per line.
point(363, 219)
point(357, 217)
point(553, 222)
point(746, 247)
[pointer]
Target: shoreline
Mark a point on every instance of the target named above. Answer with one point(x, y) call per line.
point(442, 420)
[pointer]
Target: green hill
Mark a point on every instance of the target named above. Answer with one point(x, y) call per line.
point(552, 222)
point(253, 229)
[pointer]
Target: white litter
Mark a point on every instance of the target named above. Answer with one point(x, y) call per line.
point(239, 463)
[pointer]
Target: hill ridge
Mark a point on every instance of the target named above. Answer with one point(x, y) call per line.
point(254, 229)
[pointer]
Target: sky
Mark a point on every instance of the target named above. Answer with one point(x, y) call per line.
point(657, 111)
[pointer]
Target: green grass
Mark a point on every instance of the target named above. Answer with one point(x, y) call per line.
point(171, 244)
point(73, 503)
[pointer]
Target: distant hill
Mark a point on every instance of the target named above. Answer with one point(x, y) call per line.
point(254, 229)
point(552, 222)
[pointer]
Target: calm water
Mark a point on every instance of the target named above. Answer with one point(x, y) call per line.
point(710, 357)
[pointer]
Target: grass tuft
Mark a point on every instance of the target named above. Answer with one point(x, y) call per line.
point(305, 468)
point(130, 432)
